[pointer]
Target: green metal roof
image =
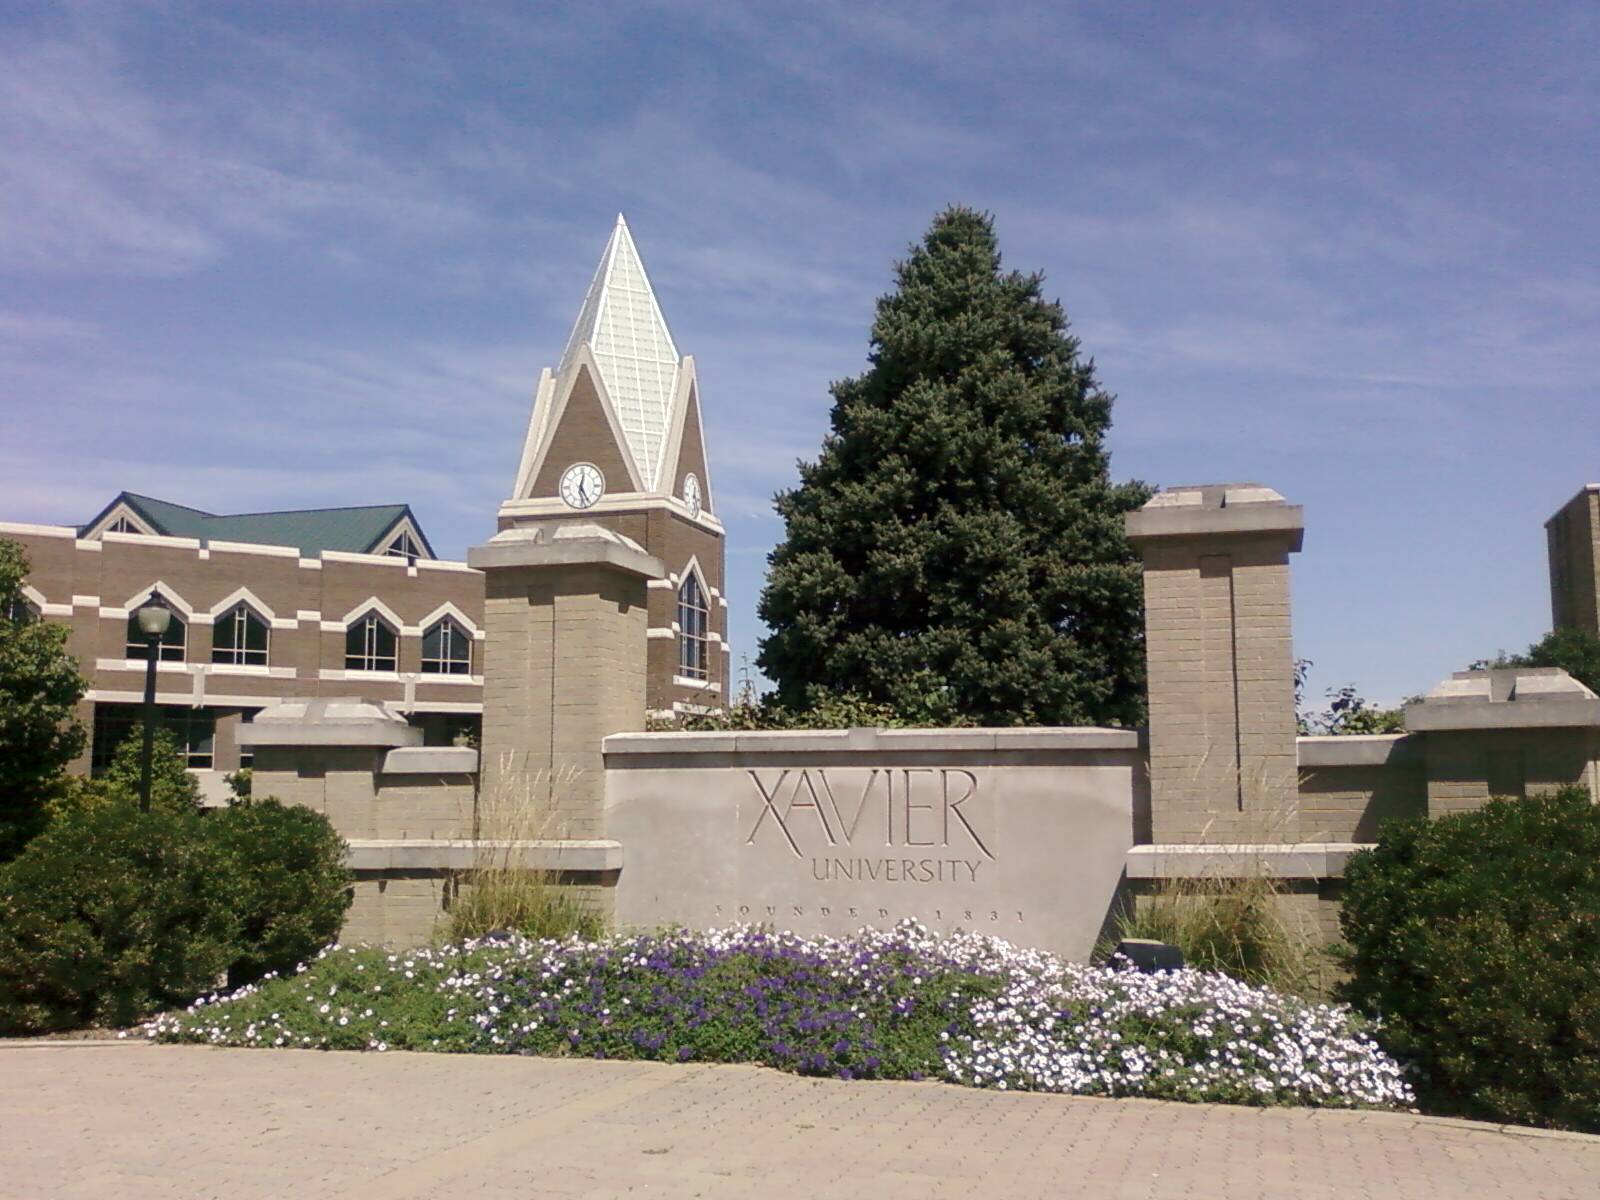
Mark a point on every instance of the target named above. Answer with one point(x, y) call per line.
point(357, 530)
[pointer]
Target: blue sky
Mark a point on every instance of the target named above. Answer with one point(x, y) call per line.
point(275, 255)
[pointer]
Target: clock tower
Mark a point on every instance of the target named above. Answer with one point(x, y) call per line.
point(616, 440)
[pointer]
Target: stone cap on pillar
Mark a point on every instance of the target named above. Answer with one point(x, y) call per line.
point(1506, 698)
point(576, 543)
point(330, 722)
point(1206, 509)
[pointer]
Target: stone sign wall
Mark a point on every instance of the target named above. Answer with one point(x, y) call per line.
point(1022, 833)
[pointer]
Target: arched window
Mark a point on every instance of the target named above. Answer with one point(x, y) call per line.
point(446, 649)
point(371, 644)
point(173, 640)
point(239, 637)
point(693, 619)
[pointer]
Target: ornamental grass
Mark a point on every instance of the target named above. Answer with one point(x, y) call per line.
point(888, 1004)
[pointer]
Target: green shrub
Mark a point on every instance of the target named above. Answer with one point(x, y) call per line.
point(110, 914)
point(286, 880)
point(172, 787)
point(1476, 938)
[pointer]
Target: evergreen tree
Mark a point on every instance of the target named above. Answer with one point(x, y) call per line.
point(39, 691)
point(957, 550)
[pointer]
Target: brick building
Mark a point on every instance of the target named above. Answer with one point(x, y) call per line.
point(1574, 540)
point(353, 602)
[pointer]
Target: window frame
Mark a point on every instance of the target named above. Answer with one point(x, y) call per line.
point(240, 653)
point(367, 658)
point(694, 629)
point(451, 631)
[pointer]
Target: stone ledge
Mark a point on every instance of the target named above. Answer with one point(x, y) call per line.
point(1288, 860)
point(573, 544)
point(1360, 750)
point(431, 760)
point(953, 741)
point(390, 854)
point(1546, 712)
point(336, 721)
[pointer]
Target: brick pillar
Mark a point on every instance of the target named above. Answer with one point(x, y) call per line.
point(1223, 760)
point(563, 666)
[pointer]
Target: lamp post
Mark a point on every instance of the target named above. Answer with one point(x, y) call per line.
point(153, 621)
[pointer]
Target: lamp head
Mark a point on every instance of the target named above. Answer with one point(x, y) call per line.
point(154, 619)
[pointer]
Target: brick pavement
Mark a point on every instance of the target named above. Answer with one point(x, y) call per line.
point(80, 1120)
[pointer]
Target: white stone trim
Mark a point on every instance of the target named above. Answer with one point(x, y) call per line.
point(616, 504)
point(46, 609)
point(246, 596)
point(114, 696)
point(93, 547)
point(163, 666)
point(339, 673)
point(361, 610)
point(88, 602)
point(311, 564)
point(469, 707)
point(369, 559)
point(267, 549)
point(699, 685)
point(448, 609)
point(22, 527)
point(657, 633)
point(152, 539)
point(442, 564)
point(260, 672)
point(169, 593)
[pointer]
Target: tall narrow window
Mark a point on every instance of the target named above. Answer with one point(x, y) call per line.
point(239, 637)
point(403, 547)
point(19, 610)
point(446, 649)
point(693, 618)
point(173, 640)
point(370, 644)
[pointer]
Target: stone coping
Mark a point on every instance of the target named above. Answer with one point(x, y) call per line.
point(1281, 860)
point(457, 854)
point(1205, 510)
point(1543, 712)
point(327, 721)
point(1360, 750)
point(431, 760)
point(791, 741)
point(571, 544)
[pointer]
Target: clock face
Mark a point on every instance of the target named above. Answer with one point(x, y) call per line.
point(582, 485)
point(691, 494)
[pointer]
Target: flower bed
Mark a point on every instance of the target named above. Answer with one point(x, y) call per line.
point(894, 1004)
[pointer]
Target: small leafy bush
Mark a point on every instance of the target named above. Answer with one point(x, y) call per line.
point(287, 883)
point(172, 787)
point(109, 914)
point(1476, 937)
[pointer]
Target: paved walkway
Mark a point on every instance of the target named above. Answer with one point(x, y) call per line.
point(131, 1121)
